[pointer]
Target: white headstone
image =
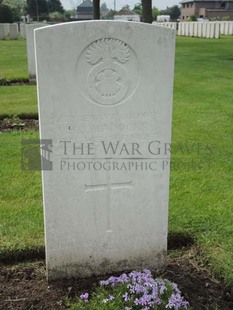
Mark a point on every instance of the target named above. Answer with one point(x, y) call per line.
point(186, 29)
point(13, 33)
point(217, 30)
point(231, 28)
point(199, 29)
point(212, 30)
point(191, 31)
point(23, 30)
point(2, 31)
point(226, 28)
point(182, 28)
point(105, 100)
point(7, 29)
point(195, 30)
point(222, 26)
point(31, 49)
point(179, 29)
point(174, 26)
point(205, 27)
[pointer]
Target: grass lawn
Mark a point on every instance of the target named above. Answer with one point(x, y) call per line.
point(21, 223)
point(13, 59)
point(201, 199)
point(18, 100)
point(201, 196)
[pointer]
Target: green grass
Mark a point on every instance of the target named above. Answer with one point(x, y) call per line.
point(201, 198)
point(13, 59)
point(21, 223)
point(18, 100)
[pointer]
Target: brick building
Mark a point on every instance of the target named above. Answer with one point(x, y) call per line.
point(206, 9)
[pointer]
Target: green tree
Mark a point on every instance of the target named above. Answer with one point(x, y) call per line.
point(173, 11)
point(56, 16)
point(68, 14)
point(147, 11)
point(110, 14)
point(6, 15)
point(18, 8)
point(155, 13)
point(37, 9)
point(138, 8)
point(192, 18)
point(55, 6)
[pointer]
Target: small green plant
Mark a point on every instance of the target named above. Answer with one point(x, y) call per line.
point(226, 18)
point(192, 18)
point(137, 290)
point(14, 119)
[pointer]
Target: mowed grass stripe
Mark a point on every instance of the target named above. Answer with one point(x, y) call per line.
point(18, 100)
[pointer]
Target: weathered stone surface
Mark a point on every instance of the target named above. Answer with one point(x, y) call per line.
point(31, 49)
point(105, 100)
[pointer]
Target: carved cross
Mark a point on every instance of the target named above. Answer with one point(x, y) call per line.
point(108, 187)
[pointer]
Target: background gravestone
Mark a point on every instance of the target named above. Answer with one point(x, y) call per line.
point(7, 29)
point(13, 31)
point(2, 32)
point(23, 30)
point(105, 101)
point(31, 49)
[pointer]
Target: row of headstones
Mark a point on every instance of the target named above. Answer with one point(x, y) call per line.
point(209, 30)
point(194, 29)
point(14, 31)
point(168, 25)
point(226, 28)
point(201, 29)
point(9, 30)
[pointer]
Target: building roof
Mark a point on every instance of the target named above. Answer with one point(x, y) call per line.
point(86, 3)
point(125, 11)
point(188, 1)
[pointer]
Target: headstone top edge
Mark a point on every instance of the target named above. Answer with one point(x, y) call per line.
point(102, 22)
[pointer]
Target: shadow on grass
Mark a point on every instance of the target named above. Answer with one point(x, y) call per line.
point(175, 241)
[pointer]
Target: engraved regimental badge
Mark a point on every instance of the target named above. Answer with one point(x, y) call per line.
point(111, 71)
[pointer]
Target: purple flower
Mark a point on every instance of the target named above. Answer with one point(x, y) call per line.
point(145, 291)
point(176, 301)
point(126, 297)
point(84, 297)
point(110, 298)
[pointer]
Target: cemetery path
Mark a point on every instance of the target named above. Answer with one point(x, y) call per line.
point(24, 286)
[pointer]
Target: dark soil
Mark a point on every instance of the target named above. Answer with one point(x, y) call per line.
point(16, 82)
point(15, 123)
point(24, 286)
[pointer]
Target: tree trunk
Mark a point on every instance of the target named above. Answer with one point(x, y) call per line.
point(96, 9)
point(147, 11)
